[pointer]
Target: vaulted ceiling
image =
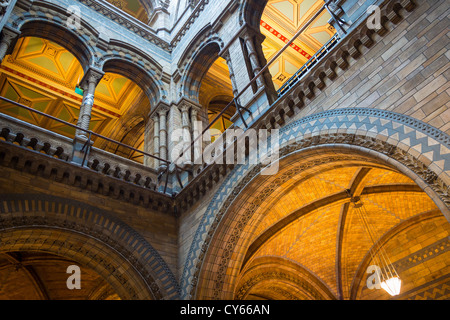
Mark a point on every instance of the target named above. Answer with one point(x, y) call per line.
point(310, 241)
point(43, 276)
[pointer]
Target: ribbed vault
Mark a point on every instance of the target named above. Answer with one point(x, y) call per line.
point(298, 235)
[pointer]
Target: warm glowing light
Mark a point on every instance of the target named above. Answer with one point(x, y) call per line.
point(392, 286)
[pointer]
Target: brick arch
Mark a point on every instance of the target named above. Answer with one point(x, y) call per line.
point(286, 273)
point(407, 145)
point(194, 63)
point(49, 22)
point(92, 237)
point(131, 62)
point(251, 11)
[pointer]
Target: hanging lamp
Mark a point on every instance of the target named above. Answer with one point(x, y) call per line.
point(388, 276)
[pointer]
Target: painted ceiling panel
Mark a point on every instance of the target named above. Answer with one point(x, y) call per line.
point(322, 36)
point(47, 59)
point(286, 8)
point(280, 22)
point(305, 6)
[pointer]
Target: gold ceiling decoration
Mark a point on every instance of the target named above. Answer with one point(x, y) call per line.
point(281, 20)
point(42, 74)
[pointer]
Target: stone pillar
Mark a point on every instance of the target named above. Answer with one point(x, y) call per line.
point(196, 132)
point(253, 56)
point(162, 112)
point(156, 145)
point(186, 126)
point(88, 84)
point(8, 36)
point(227, 58)
point(81, 145)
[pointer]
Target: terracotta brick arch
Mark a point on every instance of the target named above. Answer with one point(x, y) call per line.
point(284, 276)
point(365, 137)
point(89, 236)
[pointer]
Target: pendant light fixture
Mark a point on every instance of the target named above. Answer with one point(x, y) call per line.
point(388, 276)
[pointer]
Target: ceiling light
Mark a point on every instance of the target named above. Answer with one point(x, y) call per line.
point(390, 281)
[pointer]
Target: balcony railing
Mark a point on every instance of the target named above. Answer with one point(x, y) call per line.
point(309, 64)
point(57, 146)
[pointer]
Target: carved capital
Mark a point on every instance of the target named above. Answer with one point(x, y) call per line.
point(91, 79)
point(8, 35)
point(155, 118)
point(162, 110)
point(184, 107)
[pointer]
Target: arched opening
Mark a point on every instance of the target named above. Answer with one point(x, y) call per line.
point(44, 75)
point(62, 230)
point(134, 8)
point(279, 21)
point(216, 92)
point(305, 218)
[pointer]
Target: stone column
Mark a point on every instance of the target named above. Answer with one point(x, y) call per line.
point(8, 36)
point(155, 119)
point(253, 56)
point(88, 84)
point(196, 132)
point(227, 58)
point(186, 126)
point(81, 145)
point(162, 112)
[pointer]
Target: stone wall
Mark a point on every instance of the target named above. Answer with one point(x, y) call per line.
point(406, 71)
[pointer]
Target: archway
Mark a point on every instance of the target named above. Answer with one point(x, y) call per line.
point(44, 75)
point(99, 243)
point(207, 83)
point(311, 147)
point(216, 92)
point(305, 216)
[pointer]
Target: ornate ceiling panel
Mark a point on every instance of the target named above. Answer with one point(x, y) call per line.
point(281, 20)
